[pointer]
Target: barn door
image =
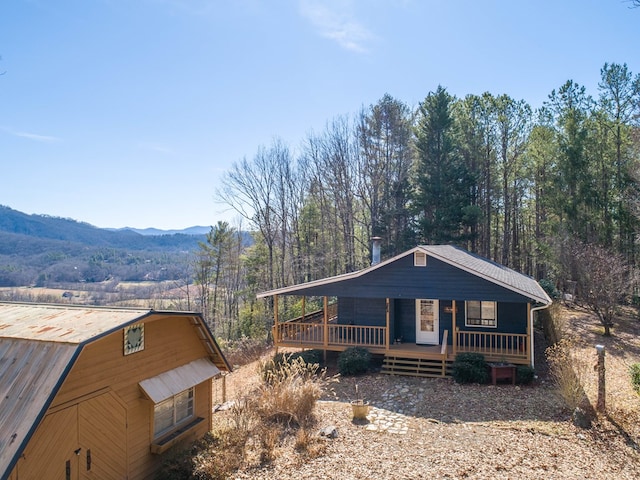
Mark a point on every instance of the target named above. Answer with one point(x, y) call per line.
point(102, 435)
point(85, 441)
point(51, 453)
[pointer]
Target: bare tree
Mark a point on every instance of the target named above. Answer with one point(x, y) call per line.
point(605, 281)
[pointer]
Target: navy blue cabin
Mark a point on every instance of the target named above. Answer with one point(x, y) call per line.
point(421, 307)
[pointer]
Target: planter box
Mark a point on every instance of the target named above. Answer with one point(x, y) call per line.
point(502, 371)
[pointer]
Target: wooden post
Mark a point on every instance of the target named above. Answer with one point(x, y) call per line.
point(454, 330)
point(325, 332)
point(529, 340)
point(388, 332)
point(224, 388)
point(602, 391)
point(304, 306)
point(276, 333)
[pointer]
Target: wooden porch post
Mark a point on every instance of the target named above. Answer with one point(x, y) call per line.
point(529, 341)
point(304, 306)
point(326, 324)
point(276, 334)
point(454, 341)
point(388, 333)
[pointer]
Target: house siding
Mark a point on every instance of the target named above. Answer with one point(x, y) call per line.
point(512, 317)
point(360, 311)
point(401, 279)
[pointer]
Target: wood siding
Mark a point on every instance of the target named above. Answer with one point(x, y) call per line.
point(117, 424)
point(512, 317)
point(401, 279)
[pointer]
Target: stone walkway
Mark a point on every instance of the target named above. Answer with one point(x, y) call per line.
point(396, 407)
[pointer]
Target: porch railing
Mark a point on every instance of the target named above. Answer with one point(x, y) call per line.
point(338, 335)
point(494, 345)
point(357, 335)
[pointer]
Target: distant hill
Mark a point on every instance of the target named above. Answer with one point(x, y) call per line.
point(40, 249)
point(197, 230)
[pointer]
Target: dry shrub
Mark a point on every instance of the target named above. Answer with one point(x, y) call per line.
point(569, 372)
point(221, 459)
point(308, 444)
point(269, 436)
point(258, 425)
point(289, 391)
point(244, 350)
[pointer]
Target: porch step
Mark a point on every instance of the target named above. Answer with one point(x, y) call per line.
point(416, 367)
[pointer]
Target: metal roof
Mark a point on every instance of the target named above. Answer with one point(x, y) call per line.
point(179, 379)
point(62, 323)
point(454, 256)
point(39, 344)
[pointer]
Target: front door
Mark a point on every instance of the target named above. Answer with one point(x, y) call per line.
point(427, 322)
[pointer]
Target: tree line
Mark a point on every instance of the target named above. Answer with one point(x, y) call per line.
point(486, 172)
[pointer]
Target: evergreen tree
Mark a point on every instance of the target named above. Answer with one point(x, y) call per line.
point(443, 180)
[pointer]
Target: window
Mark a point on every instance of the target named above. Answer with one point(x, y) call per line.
point(171, 412)
point(419, 259)
point(481, 314)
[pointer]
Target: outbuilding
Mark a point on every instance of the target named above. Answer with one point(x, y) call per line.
point(98, 392)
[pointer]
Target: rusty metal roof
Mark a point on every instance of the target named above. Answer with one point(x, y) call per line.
point(39, 344)
point(62, 323)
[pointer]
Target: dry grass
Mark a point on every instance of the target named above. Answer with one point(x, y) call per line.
point(259, 425)
point(569, 371)
point(583, 332)
point(455, 431)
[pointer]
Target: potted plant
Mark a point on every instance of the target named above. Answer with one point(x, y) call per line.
point(359, 406)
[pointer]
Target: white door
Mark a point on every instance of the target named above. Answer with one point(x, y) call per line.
point(427, 322)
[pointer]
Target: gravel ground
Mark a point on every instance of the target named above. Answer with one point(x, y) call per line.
point(464, 431)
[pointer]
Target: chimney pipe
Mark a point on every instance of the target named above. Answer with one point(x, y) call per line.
point(375, 252)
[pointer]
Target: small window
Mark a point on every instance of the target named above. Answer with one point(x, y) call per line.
point(171, 412)
point(481, 314)
point(419, 259)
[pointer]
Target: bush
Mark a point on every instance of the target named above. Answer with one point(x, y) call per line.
point(525, 374)
point(470, 368)
point(569, 372)
point(286, 364)
point(354, 361)
point(289, 391)
point(635, 376)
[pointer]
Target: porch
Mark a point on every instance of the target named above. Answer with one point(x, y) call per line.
point(400, 358)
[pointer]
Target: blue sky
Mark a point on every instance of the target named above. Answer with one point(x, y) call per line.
point(128, 112)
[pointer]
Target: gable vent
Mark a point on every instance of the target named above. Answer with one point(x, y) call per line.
point(419, 259)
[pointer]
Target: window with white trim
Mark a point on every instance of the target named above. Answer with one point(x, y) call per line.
point(419, 259)
point(172, 412)
point(481, 314)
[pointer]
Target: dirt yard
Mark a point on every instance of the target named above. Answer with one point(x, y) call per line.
point(435, 428)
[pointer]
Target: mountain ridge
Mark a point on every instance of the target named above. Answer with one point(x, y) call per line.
point(44, 250)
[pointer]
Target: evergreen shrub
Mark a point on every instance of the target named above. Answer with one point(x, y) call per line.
point(470, 368)
point(354, 361)
point(525, 374)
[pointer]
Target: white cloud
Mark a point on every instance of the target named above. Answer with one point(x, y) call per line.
point(339, 26)
point(31, 136)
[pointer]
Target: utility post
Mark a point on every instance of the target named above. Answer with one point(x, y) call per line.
point(600, 405)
